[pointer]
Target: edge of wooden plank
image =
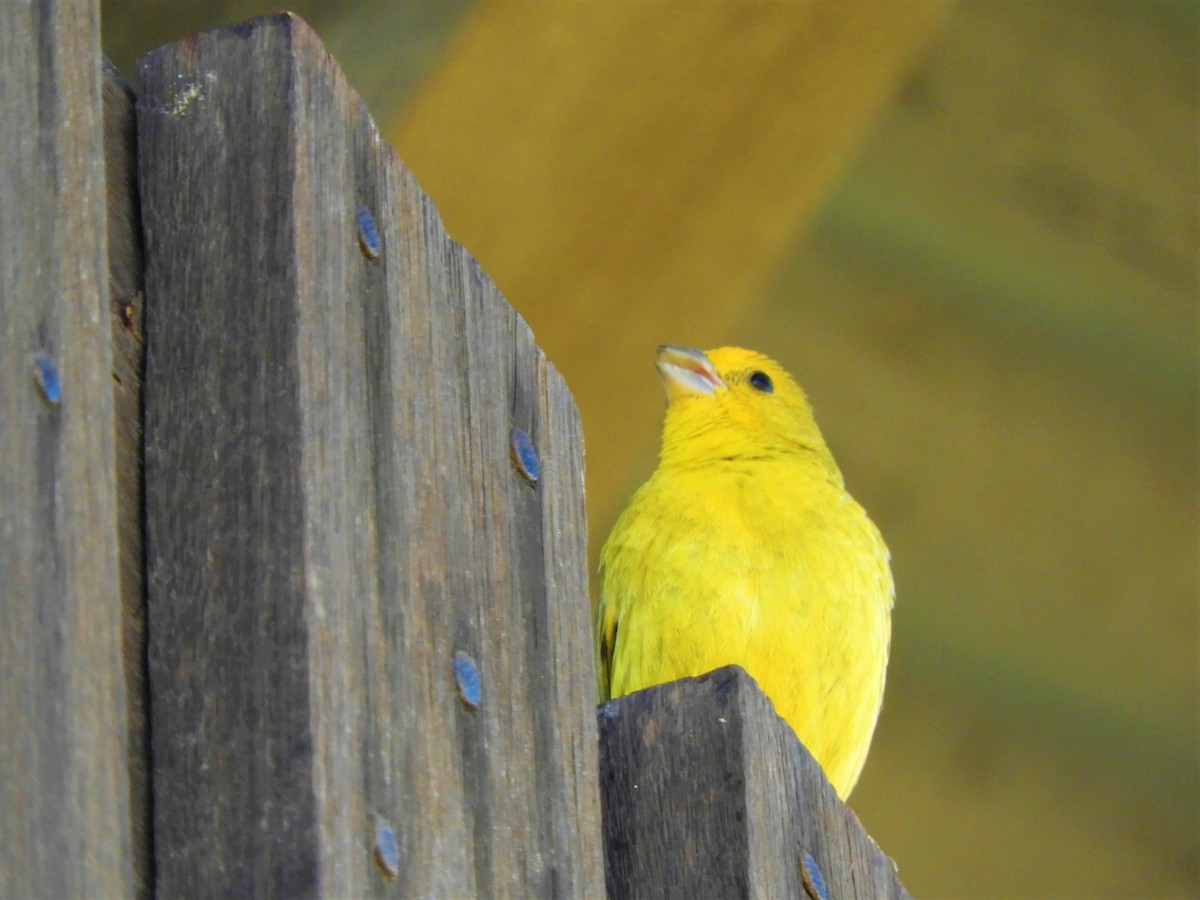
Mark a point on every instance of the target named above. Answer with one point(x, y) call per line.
point(705, 787)
point(126, 312)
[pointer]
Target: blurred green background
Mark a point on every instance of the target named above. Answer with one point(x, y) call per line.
point(971, 231)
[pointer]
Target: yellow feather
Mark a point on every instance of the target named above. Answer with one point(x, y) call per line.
point(744, 547)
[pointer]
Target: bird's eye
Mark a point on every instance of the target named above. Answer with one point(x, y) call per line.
point(761, 381)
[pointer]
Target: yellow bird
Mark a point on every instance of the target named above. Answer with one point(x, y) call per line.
point(744, 547)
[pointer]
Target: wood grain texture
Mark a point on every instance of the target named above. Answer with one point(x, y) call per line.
point(126, 315)
point(631, 173)
point(333, 512)
point(707, 793)
point(64, 825)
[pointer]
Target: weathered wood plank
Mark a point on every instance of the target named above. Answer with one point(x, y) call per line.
point(64, 805)
point(707, 793)
point(333, 512)
point(126, 313)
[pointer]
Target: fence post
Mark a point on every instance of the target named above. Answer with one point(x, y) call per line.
point(341, 549)
point(707, 793)
point(64, 804)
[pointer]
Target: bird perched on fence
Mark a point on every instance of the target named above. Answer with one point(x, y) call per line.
point(744, 547)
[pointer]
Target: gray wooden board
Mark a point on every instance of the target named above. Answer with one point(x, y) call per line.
point(707, 793)
point(64, 804)
point(333, 513)
point(125, 313)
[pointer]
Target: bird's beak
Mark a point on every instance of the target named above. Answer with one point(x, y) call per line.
point(686, 372)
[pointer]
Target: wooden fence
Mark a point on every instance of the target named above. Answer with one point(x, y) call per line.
point(295, 601)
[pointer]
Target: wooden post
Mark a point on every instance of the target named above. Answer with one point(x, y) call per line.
point(336, 526)
point(707, 793)
point(64, 803)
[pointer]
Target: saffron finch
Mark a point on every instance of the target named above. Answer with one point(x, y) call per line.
point(744, 547)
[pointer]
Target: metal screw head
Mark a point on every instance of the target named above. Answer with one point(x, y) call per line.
point(368, 236)
point(46, 374)
point(524, 455)
point(470, 684)
point(812, 879)
point(387, 849)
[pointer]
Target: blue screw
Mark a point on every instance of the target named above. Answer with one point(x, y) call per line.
point(524, 456)
point(470, 685)
point(814, 881)
point(387, 849)
point(368, 237)
point(46, 374)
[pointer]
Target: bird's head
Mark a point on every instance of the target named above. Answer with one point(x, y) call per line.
point(731, 404)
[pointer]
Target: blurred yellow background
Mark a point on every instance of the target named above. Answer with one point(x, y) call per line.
point(971, 232)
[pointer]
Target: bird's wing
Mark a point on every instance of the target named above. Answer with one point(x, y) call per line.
point(606, 642)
